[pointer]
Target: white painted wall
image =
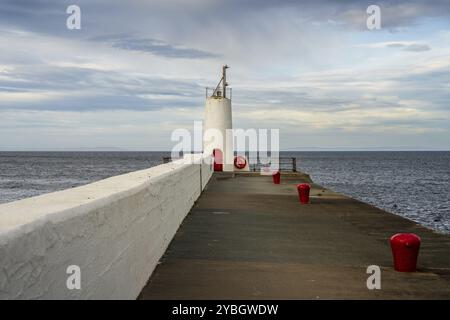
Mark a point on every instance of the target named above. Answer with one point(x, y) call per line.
point(115, 230)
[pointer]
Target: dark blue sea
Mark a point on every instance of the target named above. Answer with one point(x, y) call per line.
point(415, 185)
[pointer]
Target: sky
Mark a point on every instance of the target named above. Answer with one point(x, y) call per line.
point(137, 70)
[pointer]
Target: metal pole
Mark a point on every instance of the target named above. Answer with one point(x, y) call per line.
point(224, 81)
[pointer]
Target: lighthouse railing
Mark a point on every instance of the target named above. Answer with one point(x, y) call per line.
point(214, 92)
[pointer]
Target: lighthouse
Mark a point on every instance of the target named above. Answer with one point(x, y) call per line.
point(217, 126)
point(217, 134)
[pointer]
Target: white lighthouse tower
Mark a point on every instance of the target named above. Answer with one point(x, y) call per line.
point(217, 134)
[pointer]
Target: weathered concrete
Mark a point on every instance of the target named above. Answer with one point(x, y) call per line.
point(247, 238)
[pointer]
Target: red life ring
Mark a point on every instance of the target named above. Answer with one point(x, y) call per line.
point(240, 162)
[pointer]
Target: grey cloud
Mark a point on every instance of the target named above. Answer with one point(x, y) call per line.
point(395, 14)
point(156, 47)
point(336, 93)
point(414, 47)
point(88, 89)
point(309, 98)
point(395, 45)
point(417, 47)
point(102, 16)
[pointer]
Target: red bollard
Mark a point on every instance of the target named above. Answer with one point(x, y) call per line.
point(276, 177)
point(303, 192)
point(405, 249)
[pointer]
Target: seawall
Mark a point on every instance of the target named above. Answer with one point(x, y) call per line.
point(115, 230)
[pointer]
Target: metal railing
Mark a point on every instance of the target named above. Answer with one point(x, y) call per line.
point(217, 92)
point(286, 164)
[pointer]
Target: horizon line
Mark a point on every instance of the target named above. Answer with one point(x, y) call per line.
point(285, 150)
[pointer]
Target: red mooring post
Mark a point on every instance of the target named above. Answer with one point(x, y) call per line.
point(405, 250)
point(276, 177)
point(303, 192)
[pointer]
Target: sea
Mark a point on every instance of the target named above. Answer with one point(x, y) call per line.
point(415, 185)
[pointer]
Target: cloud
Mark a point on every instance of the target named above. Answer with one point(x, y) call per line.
point(91, 130)
point(403, 45)
point(156, 47)
point(397, 101)
point(414, 47)
point(417, 47)
point(71, 88)
point(307, 67)
point(203, 17)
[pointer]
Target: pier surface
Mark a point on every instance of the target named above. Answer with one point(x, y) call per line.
point(247, 238)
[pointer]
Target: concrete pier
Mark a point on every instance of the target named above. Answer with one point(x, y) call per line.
point(246, 238)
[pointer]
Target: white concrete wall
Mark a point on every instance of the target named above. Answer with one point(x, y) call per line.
point(115, 230)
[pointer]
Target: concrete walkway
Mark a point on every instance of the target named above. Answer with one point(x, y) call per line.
point(247, 238)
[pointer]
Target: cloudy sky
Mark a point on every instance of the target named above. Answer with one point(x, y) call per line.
point(137, 70)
